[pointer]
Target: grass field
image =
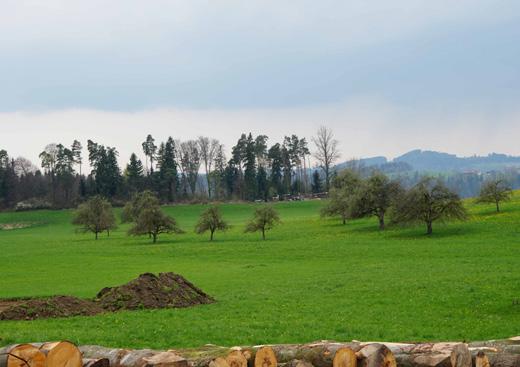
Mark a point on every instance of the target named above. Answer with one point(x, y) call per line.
point(312, 279)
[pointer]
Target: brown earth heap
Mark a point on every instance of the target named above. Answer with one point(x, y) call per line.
point(167, 290)
point(39, 308)
point(152, 291)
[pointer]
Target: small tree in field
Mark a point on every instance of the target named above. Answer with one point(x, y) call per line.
point(264, 219)
point(152, 221)
point(95, 215)
point(374, 198)
point(341, 196)
point(211, 220)
point(495, 191)
point(429, 201)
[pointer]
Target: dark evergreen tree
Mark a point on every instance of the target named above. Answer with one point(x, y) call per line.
point(276, 165)
point(134, 174)
point(250, 169)
point(169, 181)
point(317, 183)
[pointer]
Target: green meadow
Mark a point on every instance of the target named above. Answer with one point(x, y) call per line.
point(311, 279)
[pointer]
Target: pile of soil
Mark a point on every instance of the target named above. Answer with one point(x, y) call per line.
point(152, 291)
point(56, 306)
point(167, 290)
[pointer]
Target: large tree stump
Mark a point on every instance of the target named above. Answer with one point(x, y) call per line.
point(344, 357)
point(22, 355)
point(265, 357)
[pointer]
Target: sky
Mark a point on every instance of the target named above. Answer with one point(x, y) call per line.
point(385, 76)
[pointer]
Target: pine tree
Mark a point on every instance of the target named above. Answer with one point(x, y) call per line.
point(250, 169)
point(134, 173)
point(169, 180)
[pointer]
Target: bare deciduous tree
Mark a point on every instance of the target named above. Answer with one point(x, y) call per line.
point(326, 151)
point(23, 166)
point(190, 162)
point(208, 149)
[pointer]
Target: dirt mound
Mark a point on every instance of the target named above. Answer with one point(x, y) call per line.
point(147, 291)
point(57, 306)
point(152, 291)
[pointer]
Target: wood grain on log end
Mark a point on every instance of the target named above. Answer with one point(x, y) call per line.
point(236, 359)
point(344, 357)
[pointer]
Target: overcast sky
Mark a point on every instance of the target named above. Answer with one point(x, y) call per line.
point(386, 76)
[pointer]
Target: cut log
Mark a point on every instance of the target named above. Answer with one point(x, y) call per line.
point(96, 362)
point(265, 357)
point(481, 360)
point(114, 356)
point(376, 355)
point(62, 354)
point(219, 362)
point(236, 359)
point(461, 356)
point(504, 360)
point(344, 357)
point(22, 355)
point(166, 359)
point(298, 363)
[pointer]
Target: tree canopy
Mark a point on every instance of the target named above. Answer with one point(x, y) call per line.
point(264, 219)
point(95, 215)
point(495, 191)
point(429, 201)
point(211, 220)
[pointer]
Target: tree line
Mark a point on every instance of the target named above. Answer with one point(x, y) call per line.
point(174, 170)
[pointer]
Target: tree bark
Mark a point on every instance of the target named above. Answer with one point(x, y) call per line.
point(429, 229)
point(381, 222)
point(211, 237)
point(96, 362)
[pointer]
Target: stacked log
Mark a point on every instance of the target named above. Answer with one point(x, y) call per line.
point(501, 353)
point(22, 355)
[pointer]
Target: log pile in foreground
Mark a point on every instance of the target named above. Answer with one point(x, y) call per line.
point(497, 353)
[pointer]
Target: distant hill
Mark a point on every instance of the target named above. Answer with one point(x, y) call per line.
point(432, 161)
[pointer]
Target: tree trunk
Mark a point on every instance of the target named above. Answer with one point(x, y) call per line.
point(96, 235)
point(344, 220)
point(154, 237)
point(211, 237)
point(263, 233)
point(381, 222)
point(498, 206)
point(429, 229)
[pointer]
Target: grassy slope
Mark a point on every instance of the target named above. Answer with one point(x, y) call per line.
point(312, 279)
